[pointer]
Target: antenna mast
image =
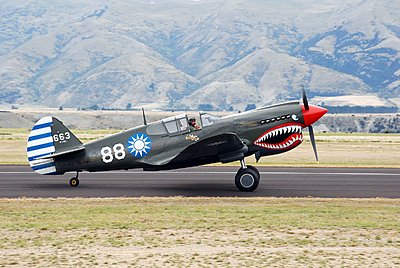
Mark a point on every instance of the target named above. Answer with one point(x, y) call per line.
point(144, 117)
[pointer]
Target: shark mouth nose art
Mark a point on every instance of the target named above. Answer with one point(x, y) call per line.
point(281, 137)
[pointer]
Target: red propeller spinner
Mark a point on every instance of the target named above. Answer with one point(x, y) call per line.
point(312, 114)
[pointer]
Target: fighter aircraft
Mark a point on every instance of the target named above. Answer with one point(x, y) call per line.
point(177, 142)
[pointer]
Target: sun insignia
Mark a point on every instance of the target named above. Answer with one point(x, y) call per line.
point(139, 145)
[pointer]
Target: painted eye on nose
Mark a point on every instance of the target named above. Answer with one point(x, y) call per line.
point(294, 117)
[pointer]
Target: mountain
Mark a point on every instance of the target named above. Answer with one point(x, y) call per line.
point(204, 54)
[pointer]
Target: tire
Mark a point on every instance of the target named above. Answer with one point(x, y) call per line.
point(74, 182)
point(255, 169)
point(247, 180)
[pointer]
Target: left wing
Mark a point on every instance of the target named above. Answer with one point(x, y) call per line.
point(225, 147)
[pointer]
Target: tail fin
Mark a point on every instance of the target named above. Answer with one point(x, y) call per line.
point(48, 139)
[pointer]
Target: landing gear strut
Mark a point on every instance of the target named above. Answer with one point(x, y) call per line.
point(74, 181)
point(247, 178)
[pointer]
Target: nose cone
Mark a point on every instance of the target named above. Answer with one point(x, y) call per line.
point(313, 114)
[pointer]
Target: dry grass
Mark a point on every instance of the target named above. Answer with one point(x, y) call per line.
point(344, 150)
point(200, 232)
point(335, 149)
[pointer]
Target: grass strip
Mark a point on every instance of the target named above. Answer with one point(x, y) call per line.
point(200, 232)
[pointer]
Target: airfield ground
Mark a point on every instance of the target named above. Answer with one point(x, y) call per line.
point(335, 149)
point(200, 232)
point(204, 232)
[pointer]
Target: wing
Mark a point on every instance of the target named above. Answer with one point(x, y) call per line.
point(224, 147)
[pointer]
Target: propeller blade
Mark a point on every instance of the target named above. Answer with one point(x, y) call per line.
point(305, 101)
point(312, 138)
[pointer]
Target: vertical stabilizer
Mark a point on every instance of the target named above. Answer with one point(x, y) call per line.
point(48, 139)
point(40, 144)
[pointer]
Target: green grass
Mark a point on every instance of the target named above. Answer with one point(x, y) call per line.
point(148, 213)
point(200, 231)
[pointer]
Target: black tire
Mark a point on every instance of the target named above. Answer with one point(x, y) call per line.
point(247, 180)
point(255, 169)
point(74, 182)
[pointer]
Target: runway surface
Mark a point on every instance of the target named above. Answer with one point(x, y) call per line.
point(21, 181)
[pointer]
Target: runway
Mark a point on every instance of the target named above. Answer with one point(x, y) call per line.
point(21, 181)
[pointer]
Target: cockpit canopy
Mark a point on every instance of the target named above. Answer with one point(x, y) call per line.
point(179, 124)
point(208, 119)
point(175, 124)
point(171, 125)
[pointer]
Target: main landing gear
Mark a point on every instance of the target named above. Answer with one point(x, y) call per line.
point(247, 178)
point(74, 181)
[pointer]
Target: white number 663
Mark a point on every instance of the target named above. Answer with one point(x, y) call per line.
point(60, 137)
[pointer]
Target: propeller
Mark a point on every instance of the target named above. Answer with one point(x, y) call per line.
point(310, 128)
point(305, 100)
point(312, 138)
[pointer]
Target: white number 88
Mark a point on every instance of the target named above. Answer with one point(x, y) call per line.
point(107, 154)
point(119, 151)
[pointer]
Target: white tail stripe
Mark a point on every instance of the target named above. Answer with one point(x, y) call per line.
point(40, 131)
point(40, 162)
point(46, 170)
point(44, 120)
point(47, 150)
point(40, 141)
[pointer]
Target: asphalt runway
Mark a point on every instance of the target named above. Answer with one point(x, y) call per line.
point(21, 181)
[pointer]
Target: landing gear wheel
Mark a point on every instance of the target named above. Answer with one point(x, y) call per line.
point(247, 179)
point(74, 182)
point(255, 169)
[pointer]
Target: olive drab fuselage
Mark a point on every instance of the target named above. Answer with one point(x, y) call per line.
point(118, 152)
point(172, 143)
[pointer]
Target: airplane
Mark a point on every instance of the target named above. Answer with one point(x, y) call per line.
point(173, 142)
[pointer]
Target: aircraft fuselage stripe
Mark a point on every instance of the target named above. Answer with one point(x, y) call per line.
point(52, 164)
point(46, 150)
point(41, 146)
point(39, 162)
point(40, 131)
point(42, 125)
point(46, 171)
point(40, 136)
point(40, 141)
point(37, 156)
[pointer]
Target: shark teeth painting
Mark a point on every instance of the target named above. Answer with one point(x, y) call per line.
point(282, 137)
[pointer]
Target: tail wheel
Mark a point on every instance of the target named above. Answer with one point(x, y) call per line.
point(74, 182)
point(247, 179)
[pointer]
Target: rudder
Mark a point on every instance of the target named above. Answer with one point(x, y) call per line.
point(49, 137)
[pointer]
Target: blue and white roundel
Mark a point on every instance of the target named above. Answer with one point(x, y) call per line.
point(139, 145)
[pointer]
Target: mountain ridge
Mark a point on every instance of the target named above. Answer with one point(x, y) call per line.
point(180, 54)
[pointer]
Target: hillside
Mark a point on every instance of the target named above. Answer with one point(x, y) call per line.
point(213, 54)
